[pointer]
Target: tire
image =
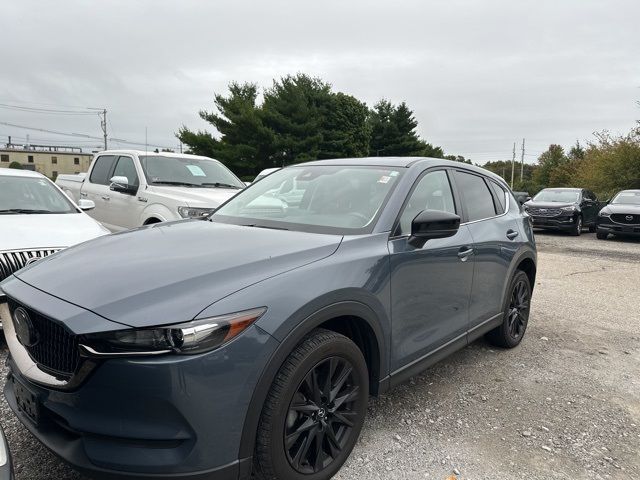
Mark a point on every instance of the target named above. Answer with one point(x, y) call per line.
point(593, 229)
point(602, 235)
point(577, 230)
point(297, 418)
point(514, 325)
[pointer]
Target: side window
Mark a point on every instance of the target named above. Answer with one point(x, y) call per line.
point(500, 196)
point(101, 169)
point(433, 192)
point(126, 168)
point(478, 200)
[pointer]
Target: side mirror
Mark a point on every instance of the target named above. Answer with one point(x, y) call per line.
point(86, 205)
point(121, 184)
point(430, 224)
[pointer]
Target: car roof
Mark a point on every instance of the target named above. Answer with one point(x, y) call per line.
point(564, 189)
point(14, 172)
point(152, 153)
point(631, 190)
point(403, 162)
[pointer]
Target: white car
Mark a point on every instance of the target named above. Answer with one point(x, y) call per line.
point(132, 188)
point(264, 173)
point(38, 219)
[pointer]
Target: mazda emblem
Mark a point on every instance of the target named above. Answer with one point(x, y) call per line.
point(628, 218)
point(25, 331)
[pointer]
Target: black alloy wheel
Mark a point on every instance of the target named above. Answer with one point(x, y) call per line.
point(516, 313)
point(321, 416)
point(578, 227)
point(314, 411)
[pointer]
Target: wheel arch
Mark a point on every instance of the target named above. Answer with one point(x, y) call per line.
point(353, 319)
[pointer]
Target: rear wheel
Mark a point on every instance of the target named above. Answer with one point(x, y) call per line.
point(314, 411)
point(516, 313)
point(602, 235)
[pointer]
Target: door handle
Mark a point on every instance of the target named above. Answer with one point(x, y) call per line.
point(511, 234)
point(82, 194)
point(106, 197)
point(464, 253)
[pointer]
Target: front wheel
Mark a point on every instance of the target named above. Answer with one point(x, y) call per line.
point(577, 229)
point(602, 235)
point(516, 313)
point(314, 411)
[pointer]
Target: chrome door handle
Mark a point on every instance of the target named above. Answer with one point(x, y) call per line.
point(82, 194)
point(106, 197)
point(511, 234)
point(465, 254)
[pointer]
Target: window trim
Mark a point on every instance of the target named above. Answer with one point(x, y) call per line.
point(115, 165)
point(95, 162)
point(485, 178)
point(457, 204)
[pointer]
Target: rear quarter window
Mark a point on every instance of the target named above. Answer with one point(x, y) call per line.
point(477, 198)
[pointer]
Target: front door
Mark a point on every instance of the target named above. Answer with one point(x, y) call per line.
point(96, 187)
point(125, 208)
point(431, 285)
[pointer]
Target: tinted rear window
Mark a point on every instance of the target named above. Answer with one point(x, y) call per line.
point(476, 196)
point(101, 169)
point(499, 194)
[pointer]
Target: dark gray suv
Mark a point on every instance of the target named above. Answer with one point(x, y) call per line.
point(249, 342)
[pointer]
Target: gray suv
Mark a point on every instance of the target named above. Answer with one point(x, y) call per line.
point(249, 342)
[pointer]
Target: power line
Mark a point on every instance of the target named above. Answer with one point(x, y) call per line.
point(44, 110)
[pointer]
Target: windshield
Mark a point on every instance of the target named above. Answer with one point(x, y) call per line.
point(560, 196)
point(322, 199)
point(31, 195)
point(188, 172)
point(627, 198)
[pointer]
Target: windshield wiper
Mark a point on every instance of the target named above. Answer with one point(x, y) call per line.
point(24, 210)
point(181, 184)
point(264, 226)
point(220, 185)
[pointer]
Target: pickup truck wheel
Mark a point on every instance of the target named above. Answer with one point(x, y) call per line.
point(314, 411)
point(577, 230)
point(516, 313)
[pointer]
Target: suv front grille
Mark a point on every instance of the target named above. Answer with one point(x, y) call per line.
point(56, 350)
point(13, 261)
point(622, 218)
point(544, 212)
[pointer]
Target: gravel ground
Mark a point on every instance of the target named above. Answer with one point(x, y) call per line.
point(565, 404)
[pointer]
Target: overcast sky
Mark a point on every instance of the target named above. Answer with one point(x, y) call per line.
point(479, 75)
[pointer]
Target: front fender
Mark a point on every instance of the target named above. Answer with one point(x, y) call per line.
point(159, 211)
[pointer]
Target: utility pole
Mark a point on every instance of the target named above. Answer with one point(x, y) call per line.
point(522, 163)
point(513, 163)
point(103, 124)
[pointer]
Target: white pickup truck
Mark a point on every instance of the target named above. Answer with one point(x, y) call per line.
point(131, 188)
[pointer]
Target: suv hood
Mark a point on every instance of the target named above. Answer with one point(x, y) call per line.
point(531, 203)
point(623, 208)
point(44, 231)
point(169, 272)
point(193, 196)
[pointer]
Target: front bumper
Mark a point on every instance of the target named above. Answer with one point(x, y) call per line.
point(605, 225)
point(162, 417)
point(561, 222)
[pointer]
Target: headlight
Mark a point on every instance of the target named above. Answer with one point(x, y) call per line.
point(191, 212)
point(572, 208)
point(604, 213)
point(192, 337)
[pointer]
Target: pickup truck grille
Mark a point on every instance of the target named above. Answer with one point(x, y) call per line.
point(56, 350)
point(14, 260)
point(544, 212)
point(626, 219)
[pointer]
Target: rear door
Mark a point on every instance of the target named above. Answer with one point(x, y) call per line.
point(430, 285)
point(590, 207)
point(124, 208)
point(96, 187)
point(496, 236)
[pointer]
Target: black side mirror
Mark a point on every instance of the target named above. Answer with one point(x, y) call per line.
point(430, 224)
point(121, 184)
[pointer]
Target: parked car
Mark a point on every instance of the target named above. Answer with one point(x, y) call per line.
point(132, 188)
point(249, 343)
point(621, 216)
point(38, 219)
point(6, 467)
point(568, 209)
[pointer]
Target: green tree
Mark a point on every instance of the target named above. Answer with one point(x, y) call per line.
point(547, 175)
point(393, 131)
point(345, 131)
point(15, 165)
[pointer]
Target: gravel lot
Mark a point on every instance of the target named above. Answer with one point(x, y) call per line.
point(563, 405)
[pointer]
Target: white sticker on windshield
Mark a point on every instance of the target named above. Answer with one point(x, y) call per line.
point(196, 171)
point(384, 179)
